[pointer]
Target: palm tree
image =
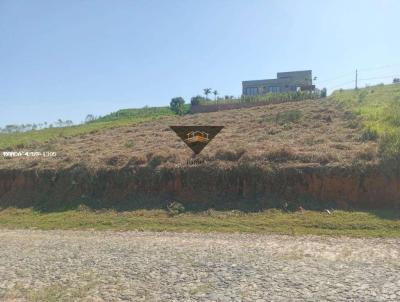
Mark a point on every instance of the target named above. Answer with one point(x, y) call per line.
point(90, 117)
point(215, 92)
point(207, 91)
point(59, 122)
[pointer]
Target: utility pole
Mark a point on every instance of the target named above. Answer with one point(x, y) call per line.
point(356, 78)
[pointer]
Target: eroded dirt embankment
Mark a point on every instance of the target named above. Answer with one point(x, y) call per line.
point(203, 187)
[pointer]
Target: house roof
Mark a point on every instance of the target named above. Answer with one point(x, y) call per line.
point(282, 78)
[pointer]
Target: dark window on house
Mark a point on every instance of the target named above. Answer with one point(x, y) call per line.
point(274, 89)
point(250, 91)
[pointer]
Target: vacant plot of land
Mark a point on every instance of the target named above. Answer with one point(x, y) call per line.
point(360, 224)
point(315, 132)
point(112, 266)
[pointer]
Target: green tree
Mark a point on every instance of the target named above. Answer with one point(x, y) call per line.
point(196, 100)
point(207, 91)
point(177, 105)
point(323, 93)
point(59, 123)
point(89, 118)
point(215, 92)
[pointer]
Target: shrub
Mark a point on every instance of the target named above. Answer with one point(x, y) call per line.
point(389, 148)
point(175, 208)
point(367, 154)
point(229, 155)
point(369, 134)
point(83, 208)
point(154, 161)
point(129, 144)
point(113, 160)
point(177, 105)
point(362, 96)
point(392, 113)
point(197, 100)
point(288, 117)
point(287, 127)
point(280, 155)
point(354, 124)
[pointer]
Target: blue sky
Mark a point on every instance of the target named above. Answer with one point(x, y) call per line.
point(66, 59)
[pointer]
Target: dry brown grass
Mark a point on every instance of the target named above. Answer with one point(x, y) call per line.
point(318, 133)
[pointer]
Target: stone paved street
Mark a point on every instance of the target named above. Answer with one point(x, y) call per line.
point(144, 266)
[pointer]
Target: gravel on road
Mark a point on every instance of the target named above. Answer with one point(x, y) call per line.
point(144, 266)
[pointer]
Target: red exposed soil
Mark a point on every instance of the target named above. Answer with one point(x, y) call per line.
point(206, 187)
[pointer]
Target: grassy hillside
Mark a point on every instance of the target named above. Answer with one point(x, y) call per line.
point(138, 113)
point(120, 118)
point(302, 133)
point(343, 128)
point(379, 107)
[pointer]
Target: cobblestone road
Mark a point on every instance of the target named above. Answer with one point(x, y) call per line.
point(143, 266)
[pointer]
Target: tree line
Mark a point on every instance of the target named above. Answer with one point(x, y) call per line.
point(177, 104)
point(13, 128)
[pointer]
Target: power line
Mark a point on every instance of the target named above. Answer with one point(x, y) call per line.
point(365, 79)
point(337, 78)
point(377, 78)
point(350, 82)
point(362, 69)
point(379, 67)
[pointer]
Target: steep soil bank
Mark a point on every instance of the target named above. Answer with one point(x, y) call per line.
point(239, 186)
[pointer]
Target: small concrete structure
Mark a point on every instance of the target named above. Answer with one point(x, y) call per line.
point(285, 82)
